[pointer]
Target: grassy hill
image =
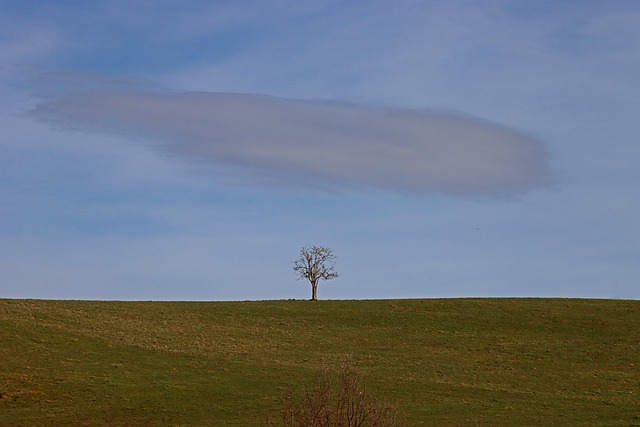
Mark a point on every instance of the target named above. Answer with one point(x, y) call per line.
point(441, 362)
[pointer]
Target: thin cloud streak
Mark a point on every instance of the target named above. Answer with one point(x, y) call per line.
point(316, 141)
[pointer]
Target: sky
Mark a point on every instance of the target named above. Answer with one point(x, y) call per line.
point(187, 150)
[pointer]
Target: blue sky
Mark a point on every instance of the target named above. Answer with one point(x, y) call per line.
point(187, 150)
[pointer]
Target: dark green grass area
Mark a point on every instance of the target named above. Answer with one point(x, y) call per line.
point(440, 362)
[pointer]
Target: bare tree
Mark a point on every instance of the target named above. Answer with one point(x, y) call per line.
point(315, 263)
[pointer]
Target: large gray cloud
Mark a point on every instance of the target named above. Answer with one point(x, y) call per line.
point(316, 141)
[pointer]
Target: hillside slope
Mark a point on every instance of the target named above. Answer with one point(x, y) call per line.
point(441, 362)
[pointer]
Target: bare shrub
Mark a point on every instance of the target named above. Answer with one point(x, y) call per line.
point(338, 400)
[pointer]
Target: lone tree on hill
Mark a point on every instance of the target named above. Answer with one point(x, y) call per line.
point(315, 263)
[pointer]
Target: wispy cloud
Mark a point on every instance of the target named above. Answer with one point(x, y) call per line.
point(316, 141)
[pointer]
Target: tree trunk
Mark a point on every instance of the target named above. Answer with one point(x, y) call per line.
point(314, 291)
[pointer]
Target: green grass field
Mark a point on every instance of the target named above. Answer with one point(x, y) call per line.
point(439, 362)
